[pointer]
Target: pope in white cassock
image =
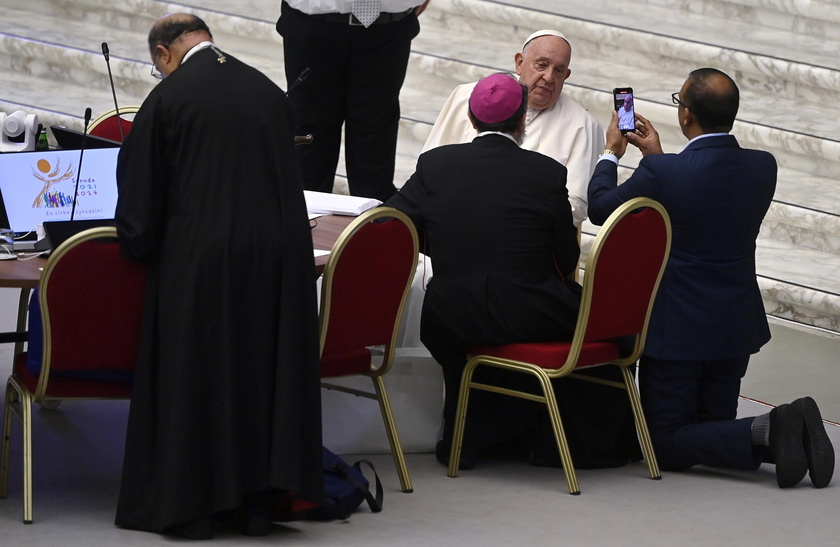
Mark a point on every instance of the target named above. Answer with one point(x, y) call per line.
point(555, 125)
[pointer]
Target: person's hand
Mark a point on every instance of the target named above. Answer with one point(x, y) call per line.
point(615, 139)
point(421, 8)
point(646, 138)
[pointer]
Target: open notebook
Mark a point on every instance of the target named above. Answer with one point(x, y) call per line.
point(322, 203)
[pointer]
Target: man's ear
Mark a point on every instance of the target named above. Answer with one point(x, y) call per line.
point(162, 53)
point(521, 128)
point(517, 62)
point(688, 117)
point(471, 118)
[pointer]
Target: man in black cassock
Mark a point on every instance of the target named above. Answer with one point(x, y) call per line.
point(225, 414)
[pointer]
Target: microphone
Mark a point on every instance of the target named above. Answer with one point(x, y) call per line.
point(113, 90)
point(303, 75)
point(79, 169)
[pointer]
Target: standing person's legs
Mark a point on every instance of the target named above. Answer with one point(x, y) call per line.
point(319, 100)
point(376, 72)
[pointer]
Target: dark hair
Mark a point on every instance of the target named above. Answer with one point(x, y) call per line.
point(713, 98)
point(509, 125)
point(171, 28)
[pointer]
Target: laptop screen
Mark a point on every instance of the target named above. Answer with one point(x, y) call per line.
point(39, 186)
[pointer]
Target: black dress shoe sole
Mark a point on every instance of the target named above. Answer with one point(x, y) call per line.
point(786, 444)
point(818, 447)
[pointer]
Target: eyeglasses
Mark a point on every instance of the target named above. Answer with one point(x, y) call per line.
point(675, 98)
point(157, 74)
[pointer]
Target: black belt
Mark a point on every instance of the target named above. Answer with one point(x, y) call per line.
point(350, 19)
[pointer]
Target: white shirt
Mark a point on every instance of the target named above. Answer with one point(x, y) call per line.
point(565, 132)
point(317, 7)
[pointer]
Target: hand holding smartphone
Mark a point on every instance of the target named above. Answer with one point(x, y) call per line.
point(623, 99)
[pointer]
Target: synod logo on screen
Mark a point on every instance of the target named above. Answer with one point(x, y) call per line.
point(50, 176)
point(40, 186)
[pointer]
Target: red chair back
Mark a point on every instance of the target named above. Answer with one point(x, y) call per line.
point(364, 288)
point(92, 304)
point(108, 124)
point(623, 271)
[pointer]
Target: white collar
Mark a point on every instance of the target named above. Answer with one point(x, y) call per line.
point(495, 133)
point(704, 135)
point(195, 49)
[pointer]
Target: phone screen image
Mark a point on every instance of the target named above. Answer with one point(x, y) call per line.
point(624, 107)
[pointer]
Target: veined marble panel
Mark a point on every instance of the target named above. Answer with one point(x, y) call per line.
point(800, 304)
point(813, 17)
point(802, 227)
point(803, 267)
point(748, 25)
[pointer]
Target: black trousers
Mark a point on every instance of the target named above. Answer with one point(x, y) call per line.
point(691, 409)
point(597, 419)
point(355, 81)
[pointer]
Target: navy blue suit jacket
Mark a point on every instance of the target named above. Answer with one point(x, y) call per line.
point(708, 306)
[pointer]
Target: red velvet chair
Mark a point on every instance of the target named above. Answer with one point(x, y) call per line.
point(363, 292)
point(106, 126)
point(622, 275)
point(91, 301)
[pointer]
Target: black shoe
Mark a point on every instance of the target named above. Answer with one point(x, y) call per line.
point(257, 510)
point(818, 448)
point(256, 526)
point(786, 434)
point(443, 449)
point(194, 529)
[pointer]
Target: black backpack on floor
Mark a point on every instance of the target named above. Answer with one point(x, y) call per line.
point(345, 488)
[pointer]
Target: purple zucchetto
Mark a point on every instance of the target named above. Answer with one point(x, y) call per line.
point(496, 98)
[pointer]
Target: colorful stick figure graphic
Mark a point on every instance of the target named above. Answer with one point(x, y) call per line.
point(49, 178)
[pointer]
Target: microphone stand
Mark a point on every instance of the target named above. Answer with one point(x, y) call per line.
point(304, 74)
point(113, 89)
point(79, 169)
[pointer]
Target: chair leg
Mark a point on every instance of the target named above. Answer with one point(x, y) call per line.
point(549, 399)
point(393, 436)
point(559, 433)
point(7, 440)
point(18, 400)
point(23, 310)
point(641, 423)
point(26, 412)
point(460, 421)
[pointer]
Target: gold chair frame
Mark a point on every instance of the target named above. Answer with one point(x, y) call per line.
point(18, 399)
point(113, 112)
point(544, 376)
point(376, 373)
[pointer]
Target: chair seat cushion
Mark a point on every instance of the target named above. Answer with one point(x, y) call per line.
point(552, 355)
point(345, 363)
point(71, 387)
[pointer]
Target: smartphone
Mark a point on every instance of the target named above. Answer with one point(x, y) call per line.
point(623, 97)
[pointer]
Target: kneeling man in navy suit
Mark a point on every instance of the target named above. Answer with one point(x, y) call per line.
point(708, 317)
